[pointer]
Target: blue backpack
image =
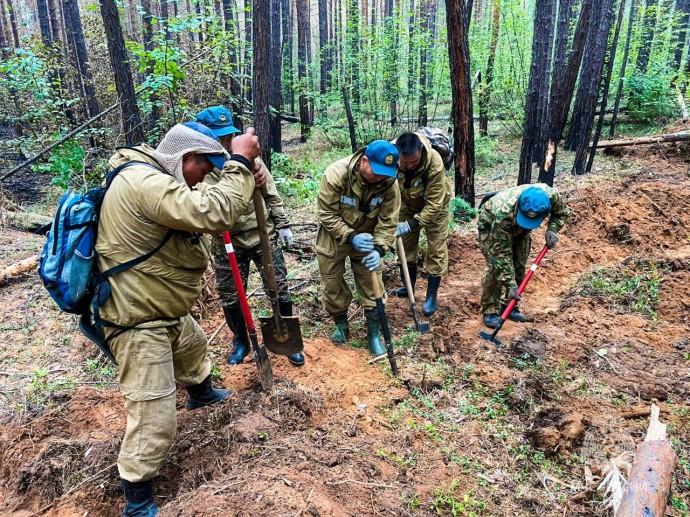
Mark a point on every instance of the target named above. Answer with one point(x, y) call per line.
point(66, 264)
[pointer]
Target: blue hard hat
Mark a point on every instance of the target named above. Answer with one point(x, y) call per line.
point(383, 157)
point(533, 207)
point(218, 160)
point(219, 120)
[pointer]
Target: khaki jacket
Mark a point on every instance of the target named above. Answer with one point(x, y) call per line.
point(347, 204)
point(426, 191)
point(142, 204)
point(245, 233)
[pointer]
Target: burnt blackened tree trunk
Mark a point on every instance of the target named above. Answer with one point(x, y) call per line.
point(54, 18)
point(44, 22)
point(119, 60)
point(4, 47)
point(648, 26)
point(621, 80)
point(248, 57)
point(275, 93)
point(302, 65)
point(461, 114)
point(683, 12)
point(590, 81)
point(324, 47)
point(485, 93)
point(261, 24)
point(391, 52)
point(147, 38)
point(412, 56)
point(165, 14)
point(538, 89)
point(233, 69)
point(13, 23)
point(607, 84)
point(75, 37)
point(559, 100)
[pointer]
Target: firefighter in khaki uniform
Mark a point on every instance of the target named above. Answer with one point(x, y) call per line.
point(146, 317)
point(504, 221)
point(245, 239)
point(425, 192)
point(357, 211)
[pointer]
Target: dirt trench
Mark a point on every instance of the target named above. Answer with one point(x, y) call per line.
point(337, 436)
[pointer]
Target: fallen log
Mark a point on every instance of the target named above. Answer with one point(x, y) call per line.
point(25, 221)
point(645, 140)
point(18, 268)
point(649, 483)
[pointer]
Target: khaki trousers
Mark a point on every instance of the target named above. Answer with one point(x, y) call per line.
point(151, 360)
point(436, 239)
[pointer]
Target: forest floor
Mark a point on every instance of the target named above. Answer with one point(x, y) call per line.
point(467, 429)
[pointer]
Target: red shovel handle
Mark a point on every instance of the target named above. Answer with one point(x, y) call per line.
point(524, 282)
point(237, 277)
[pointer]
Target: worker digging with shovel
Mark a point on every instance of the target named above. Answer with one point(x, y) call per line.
point(504, 222)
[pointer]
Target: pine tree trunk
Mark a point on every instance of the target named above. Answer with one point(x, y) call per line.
point(621, 81)
point(648, 26)
point(275, 94)
point(538, 89)
point(164, 18)
point(461, 114)
point(427, 20)
point(302, 64)
point(485, 94)
point(607, 84)
point(75, 37)
point(323, 46)
point(353, 46)
point(233, 43)
point(147, 38)
point(53, 16)
point(119, 60)
point(248, 59)
point(4, 52)
point(683, 9)
point(286, 7)
point(44, 22)
point(13, 24)
point(133, 26)
point(412, 55)
point(261, 36)
point(390, 76)
point(588, 91)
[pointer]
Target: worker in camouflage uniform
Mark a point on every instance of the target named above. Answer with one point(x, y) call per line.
point(425, 204)
point(245, 240)
point(162, 201)
point(357, 211)
point(505, 221)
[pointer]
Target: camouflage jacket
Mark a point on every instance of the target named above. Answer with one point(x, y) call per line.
point(426, 190)
point(496, 221)
point(244, 232)
point(347, 204)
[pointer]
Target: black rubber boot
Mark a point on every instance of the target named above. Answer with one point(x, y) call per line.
point(491, 320)
point(374, 333)
point(341, 331)
point(429, 306)
point(285, 307)
point(240, 341)
point(204, 394)
point(515, 315)
point(402, 291)
point(139, 499)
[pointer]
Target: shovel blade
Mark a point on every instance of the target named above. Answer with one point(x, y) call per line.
point(490, 337)
point(263, 365)
point(422, 327)
point(284, 339)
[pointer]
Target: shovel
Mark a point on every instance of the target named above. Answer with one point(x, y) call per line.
point(282, 334)
point(422, 327)
point(492, 337)
point(384, 323)
point(260, 354)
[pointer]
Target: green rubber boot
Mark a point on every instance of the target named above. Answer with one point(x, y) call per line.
point(341, 331)
point(374, 333)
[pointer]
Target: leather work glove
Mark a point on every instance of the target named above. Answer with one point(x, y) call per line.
point(551, 239)
point(372, 261)
point(513, 294)
point(285, 237)
point(363, 242)
point(406, 227)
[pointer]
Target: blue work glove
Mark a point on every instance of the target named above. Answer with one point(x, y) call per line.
point(285, 237)
point(406, 227)
point(363, 242)
point(372, 261)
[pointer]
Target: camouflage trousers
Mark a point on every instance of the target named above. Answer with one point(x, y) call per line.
point(245, 256)
point(494, 296)
point(436, 242)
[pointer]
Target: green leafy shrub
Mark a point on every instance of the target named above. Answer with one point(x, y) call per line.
point(462, 211)
point(650, 98)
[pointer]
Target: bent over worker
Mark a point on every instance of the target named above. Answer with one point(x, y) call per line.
point(245, 240)
point(425, 192)
point(505, 221)
point(357, 211)
point(161, 200)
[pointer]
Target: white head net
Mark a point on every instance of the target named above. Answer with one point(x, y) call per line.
point(181, 140)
